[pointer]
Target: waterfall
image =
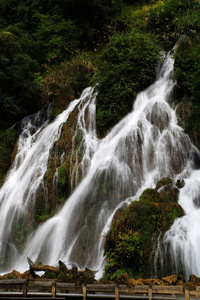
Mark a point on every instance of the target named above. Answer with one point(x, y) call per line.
point(141, 149)
point(17, 196)
point(183, 238)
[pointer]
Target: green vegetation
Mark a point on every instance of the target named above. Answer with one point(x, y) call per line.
point(127, 238)
point(187, 73)
point(52, 48)
point(129, 241)
point(127, 67)
point(62, 175)
point(7, 141)
point(19, 81)
point(50, 275)
point(36, 36)
point(40, 208)
point(174, 18)
point(62, 187)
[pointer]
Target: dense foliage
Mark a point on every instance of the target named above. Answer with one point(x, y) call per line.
point(187, 73)
point(38, 35)
point(7, 140)
point(127, 67)
point(19, 81)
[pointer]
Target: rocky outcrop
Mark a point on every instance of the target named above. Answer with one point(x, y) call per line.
point(60, 274)
point(132, 241)
point(57, 179)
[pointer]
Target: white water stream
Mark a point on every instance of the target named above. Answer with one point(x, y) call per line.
point(183, 238)
point(141, 149)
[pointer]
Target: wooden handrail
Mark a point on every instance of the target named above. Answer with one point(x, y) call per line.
point(59, 289)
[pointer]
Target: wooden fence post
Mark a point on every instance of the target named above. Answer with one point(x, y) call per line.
point(187, 296)
point(53, 289)
point(116, 292)
point(150, 293)
point(197, 292)
point(84, 291)
point(25, 289)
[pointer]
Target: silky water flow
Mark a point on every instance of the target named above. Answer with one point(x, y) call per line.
point(144, 147)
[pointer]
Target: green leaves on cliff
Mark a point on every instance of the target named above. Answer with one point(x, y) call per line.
point(56, 38)
point(173, 19)
point(7, 141)
point(19, 87)
point(127, 66)
point(187, 74)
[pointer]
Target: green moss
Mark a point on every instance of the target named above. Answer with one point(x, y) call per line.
point(128, 235)
point(40, 209)
point(8, 138)
point(20, 231)
point(63, 184)
point(128, 243)
point(150, 194)
point(50, 275)
point(163, 182)
point(187, 69)
point(62, 175)
point(173, 212)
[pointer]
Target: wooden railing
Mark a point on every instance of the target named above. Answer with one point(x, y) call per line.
point(52, 289)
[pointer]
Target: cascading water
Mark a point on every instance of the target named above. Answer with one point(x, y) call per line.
point(17, 196)
point(183, 238)
point(144, 147)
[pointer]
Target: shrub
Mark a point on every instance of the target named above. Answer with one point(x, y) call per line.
point(187, 74)
point(173, 19)
point(7, 140)
point(19, 86)
point(126, 66)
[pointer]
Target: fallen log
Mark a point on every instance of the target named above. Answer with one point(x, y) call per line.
point(40, 267)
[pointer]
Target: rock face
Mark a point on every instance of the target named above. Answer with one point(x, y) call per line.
point(183, 112)
point(132, 242)
point(57, 180)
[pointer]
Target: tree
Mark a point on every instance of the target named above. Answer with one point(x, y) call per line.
point(19, 81)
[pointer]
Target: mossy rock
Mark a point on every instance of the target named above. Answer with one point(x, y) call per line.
point(62, 175)
point(63, 267)
point(169, 194)
point(180, 184)
point(50, 275)
point(172, 212)
point(61, 277)
point(163, 182)
point(135, 230)
point(150, 195)
point(41, 213)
